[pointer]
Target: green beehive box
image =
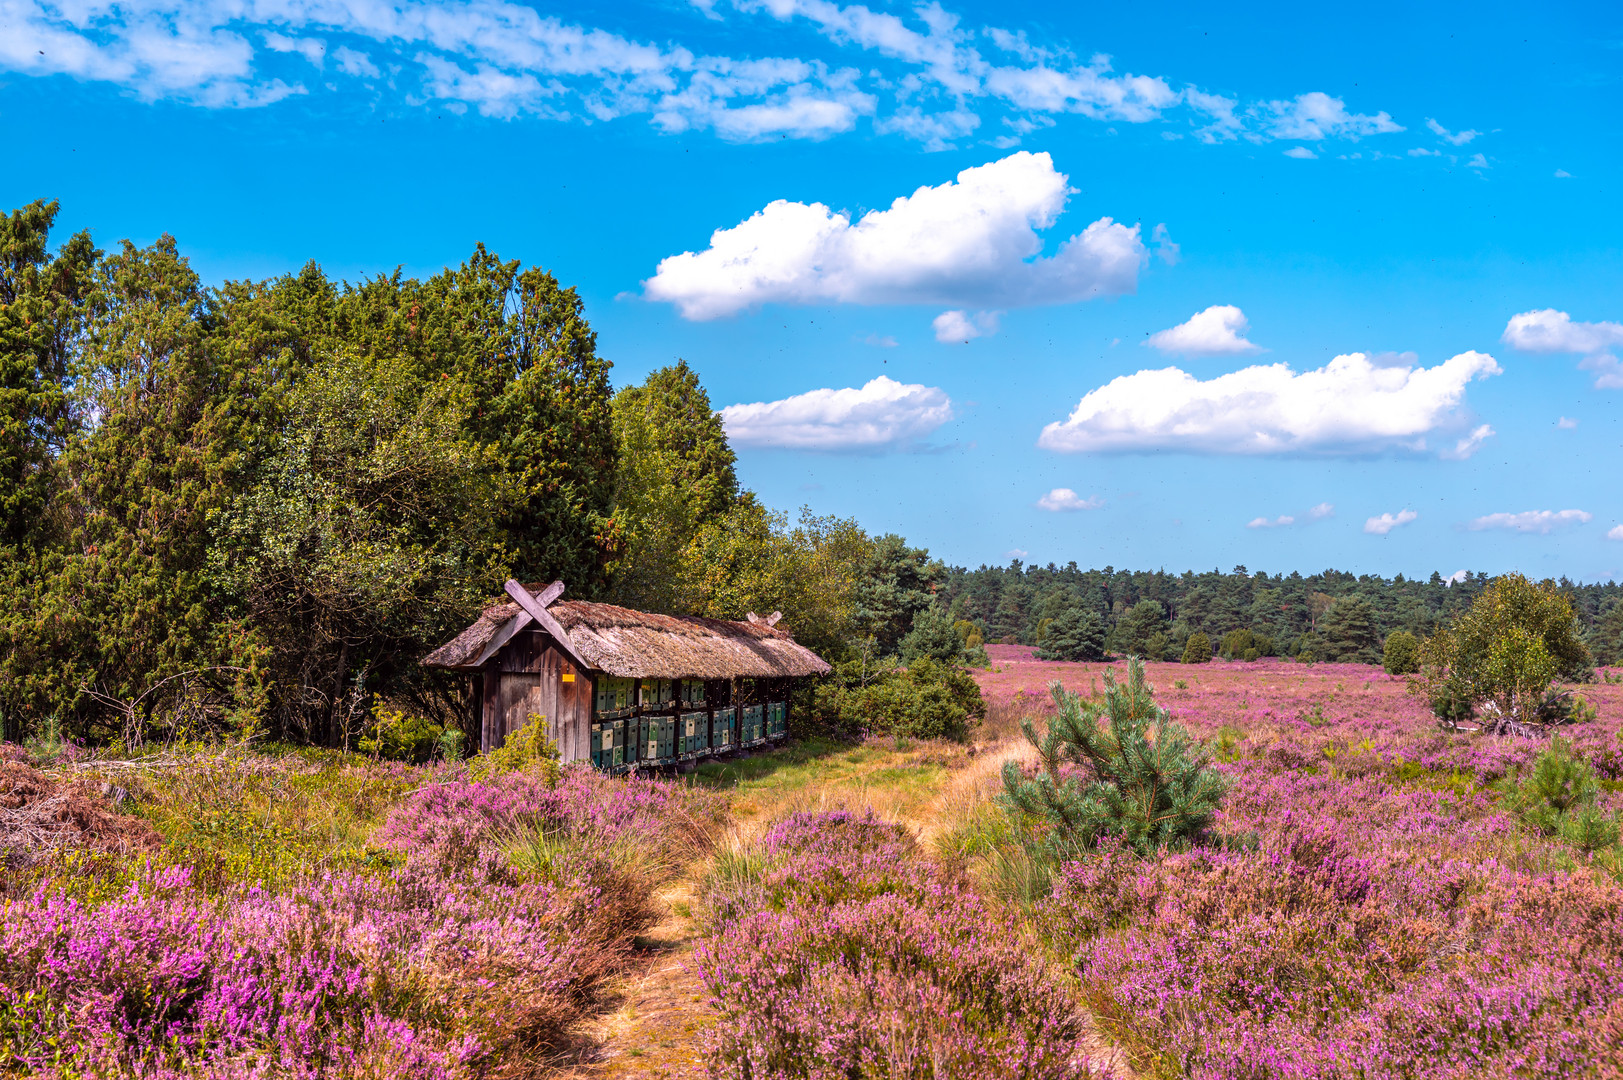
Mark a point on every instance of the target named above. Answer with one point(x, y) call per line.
point(777, 717)
point(613, 697)
point(656, 739)
point(609, 745)
point(752, 726)
point(691, 693)
point(723, 729)
point(692, 734)
point(657, 695)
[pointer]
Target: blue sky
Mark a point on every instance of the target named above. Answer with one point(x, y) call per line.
point(989, 366)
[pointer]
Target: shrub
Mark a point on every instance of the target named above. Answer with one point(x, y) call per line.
point(1075, 634)
point(1198, 650)
point(1152, 791)
point(926, 700)
point(1558, 798)
point(933, 637)
point(1401, 655)
point(1498, 659)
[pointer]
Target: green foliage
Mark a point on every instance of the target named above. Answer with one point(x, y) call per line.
point(400, 736)
point(1076, 634)
point(675, 477)
point(752, 559)
point(925, 700)
point(1137, 627)
point(1245, 645)
point(1142, 779)
point(1349, 632)
point(366, 537)
point(526, 749)
point(1198, 650)
point(894, 583)
point(934, 637)
point(1558, 797)
point(1497, 660)
point(1401, 655)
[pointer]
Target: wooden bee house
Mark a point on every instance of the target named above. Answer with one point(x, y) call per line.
point(590, 669)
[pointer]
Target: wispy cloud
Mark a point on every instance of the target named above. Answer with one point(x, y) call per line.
point(1316, 513)
point(1351, 404)
point(1453, 138)
point(920, 74)
point(960, 327)
point(1531, 521)
point(1468, 445)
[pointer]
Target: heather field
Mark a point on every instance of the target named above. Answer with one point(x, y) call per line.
point(1382, 911)
point(1373, 901)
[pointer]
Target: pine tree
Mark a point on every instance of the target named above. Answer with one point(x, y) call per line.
point(1143, 779)
point(1075, 634)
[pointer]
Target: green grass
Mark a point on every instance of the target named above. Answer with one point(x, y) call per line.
point(898, 780)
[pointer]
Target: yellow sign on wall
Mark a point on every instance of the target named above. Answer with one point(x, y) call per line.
point(569, 676)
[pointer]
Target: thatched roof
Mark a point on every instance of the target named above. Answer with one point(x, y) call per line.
point(642, 645)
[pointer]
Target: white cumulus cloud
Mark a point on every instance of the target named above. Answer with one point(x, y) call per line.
point(1301, 153)
point(1218, 331)
point(883, 413)
point(1061, 499)
point(1350, 405)
point(1566, 423)
point(1322, 511)
point(1539, 521)
point(972, 241)
point(1385, 523)
point(1550, 331)
point(1457, 577)
point(1615, 532)
point(1270, 523)
point(958, 327)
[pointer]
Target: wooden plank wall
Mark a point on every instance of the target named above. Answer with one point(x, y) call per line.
point(527, 678)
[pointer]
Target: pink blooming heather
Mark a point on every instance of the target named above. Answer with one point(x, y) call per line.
point(852, 957)
point(1377, 911)
point(448, 967)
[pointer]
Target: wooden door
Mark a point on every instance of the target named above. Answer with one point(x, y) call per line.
point(574, 711)
point(523, 696)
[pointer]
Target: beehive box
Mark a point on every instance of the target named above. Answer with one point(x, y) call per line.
point(723, 729)
point(657, 695)
point(691, 693)
point(613, 697)
point(751, 726)
point(656, 742)
point(692, 734)
point(609, 745)
point(777, 719)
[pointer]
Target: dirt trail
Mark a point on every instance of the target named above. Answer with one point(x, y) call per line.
point(654, 1024)
point(654, 1019)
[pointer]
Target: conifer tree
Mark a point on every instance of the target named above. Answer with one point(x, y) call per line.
point(1142, 778)
point(1198, 650)
point(1075, 634)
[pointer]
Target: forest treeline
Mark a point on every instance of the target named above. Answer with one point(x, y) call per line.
point(251, 509)
point(1332, 615)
